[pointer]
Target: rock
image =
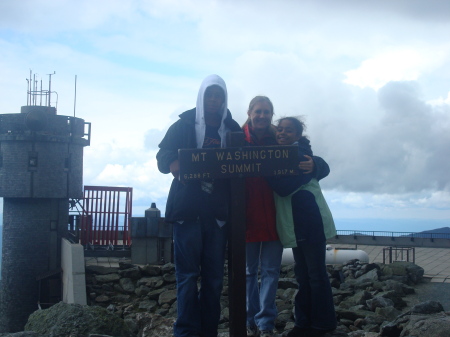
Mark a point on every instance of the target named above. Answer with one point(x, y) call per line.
point(121, 298)
point(167, 297)
point(154, 295)
point(437, 325)
point(395, 297)
point(428, 307)
point(393, 285)
point(155, 326)
point(379, 302)
point(289, 294)
point(413, 272)
point(151, 282)
point(127, 285)
point(368, 277)
point(150, 270)
point(76, 320)
point(168, 268)
point(102, 299)
point(285, 283)
point(107, 278)
point(133, 273)
point(169, 278)
point(142, 290)
point(358, 298)
point(125, 265)
point(148, 305)
point(389, 313)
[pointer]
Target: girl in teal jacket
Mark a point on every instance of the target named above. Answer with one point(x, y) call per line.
point(304, 222)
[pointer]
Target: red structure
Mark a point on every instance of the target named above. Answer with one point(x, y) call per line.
point(106, 213)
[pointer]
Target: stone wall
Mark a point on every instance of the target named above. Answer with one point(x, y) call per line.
point(371, 300)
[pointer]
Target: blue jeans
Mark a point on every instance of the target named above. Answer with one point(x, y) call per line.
point(199, 251)
point(314, 307)
point(261, 307)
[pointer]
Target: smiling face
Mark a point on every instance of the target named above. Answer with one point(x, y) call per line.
point(213, 99)
point(287, 132)
point(261, 116)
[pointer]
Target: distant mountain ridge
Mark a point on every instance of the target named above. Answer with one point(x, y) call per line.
point(445, 231)
point(438, 233)
point(442, 230)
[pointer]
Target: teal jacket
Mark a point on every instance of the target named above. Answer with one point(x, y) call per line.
point(304, 215)
point(301, 210)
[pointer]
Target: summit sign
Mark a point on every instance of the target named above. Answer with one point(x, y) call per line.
point(238, 162)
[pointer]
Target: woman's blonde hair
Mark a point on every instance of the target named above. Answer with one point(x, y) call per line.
point(258, 99)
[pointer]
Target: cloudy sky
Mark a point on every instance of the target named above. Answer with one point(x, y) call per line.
point(370, 78)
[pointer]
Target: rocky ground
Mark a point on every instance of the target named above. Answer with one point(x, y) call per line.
point(371, 300)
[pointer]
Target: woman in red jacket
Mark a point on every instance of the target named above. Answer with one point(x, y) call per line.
point(263, 248)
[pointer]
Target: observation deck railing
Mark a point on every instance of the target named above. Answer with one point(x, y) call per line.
point(386, 238)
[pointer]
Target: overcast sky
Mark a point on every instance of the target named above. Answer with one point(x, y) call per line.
point(370, 78)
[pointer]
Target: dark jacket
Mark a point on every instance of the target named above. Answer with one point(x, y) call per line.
point(284, 186)
point(185, 200)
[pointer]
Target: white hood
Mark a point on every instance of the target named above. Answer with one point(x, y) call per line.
point(200, 126)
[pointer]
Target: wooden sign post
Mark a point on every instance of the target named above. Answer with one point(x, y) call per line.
point(236, 163)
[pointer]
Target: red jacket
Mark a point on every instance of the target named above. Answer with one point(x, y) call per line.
point(260, 205)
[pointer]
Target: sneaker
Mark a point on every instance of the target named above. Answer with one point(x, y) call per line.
point(268, 333)
point(252, 331)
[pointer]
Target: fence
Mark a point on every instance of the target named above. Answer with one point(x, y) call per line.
point(105, 215)
point(422, 235)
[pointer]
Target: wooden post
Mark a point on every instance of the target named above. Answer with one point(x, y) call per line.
point(236, 251)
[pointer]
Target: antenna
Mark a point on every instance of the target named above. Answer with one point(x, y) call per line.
point(36, 94)
point(75, 98)
point(50, 86)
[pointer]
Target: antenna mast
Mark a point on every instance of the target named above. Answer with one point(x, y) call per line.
point(75, 98)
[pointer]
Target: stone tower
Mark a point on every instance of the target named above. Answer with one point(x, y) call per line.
point(41, 168)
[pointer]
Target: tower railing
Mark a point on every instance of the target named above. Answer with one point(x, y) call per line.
point(105, 215)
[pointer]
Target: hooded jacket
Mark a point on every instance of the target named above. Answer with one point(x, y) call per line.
point(186, 200)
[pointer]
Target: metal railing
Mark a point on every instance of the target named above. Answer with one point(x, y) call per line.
point(430, 236)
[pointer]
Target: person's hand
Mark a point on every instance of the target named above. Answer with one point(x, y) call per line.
point(307, 166)
point(175, 168)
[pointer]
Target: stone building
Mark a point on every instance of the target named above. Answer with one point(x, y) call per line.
point(41, 168)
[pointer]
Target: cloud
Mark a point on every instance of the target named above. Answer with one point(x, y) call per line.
point(50, 16)
point(399, 64)
point(110, 165)
point(436, 200)
point(376, 72)
point(369, 77)
point(402, 152)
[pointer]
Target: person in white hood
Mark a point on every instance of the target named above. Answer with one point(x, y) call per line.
point(199, 211)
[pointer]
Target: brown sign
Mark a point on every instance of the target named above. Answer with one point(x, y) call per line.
point(238, 162)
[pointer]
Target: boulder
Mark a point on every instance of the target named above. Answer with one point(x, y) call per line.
point(436, 325)
point(76, 320)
